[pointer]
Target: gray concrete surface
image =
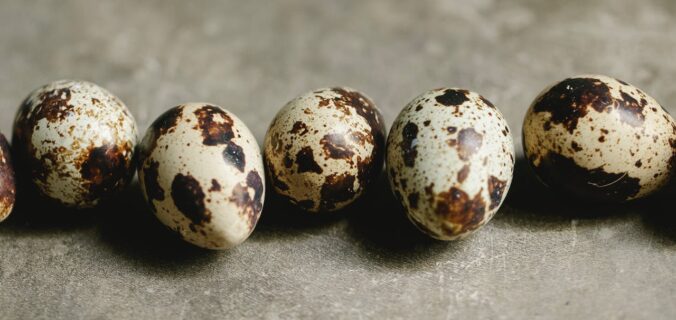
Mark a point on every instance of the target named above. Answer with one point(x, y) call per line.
point(541, 257)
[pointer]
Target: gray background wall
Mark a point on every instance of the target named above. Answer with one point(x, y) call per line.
point(541, 256)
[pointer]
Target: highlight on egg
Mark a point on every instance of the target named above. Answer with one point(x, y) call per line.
point(7, 186)
point(201, 171)
point(600, 139)
point(325, 148)
point(450, 161)
point(74, 142)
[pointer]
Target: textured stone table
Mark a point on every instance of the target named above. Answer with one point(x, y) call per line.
point(541, 256)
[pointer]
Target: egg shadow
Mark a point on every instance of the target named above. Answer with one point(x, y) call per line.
point(34, 214)
point(124, 224)
point(383, 234)
point(530, 204)
point(281, 220)
point(127, 226)
point(530, 198)
point(658, 218)
point(376, 223)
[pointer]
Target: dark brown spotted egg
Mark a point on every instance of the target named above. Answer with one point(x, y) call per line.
point(324, 148)
point(600, 138)
point(7, 187)
point(201, 171)
point(74, 141)
point(450, 160)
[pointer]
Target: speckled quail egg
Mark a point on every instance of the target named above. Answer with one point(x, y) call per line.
point(7, 187)
point(450, 160)
point(74, 141)
point(600, 138)
point(324, 148)
point(202, 173)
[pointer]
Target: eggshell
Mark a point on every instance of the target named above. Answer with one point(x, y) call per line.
point(600, 139)
point(7, 187)
point(74, 141)
point(325, 148)
point(201, 171)
point(450, 160)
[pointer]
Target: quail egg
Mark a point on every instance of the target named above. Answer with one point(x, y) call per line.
point(600, 139)
point(324, 148)
point(450, 160)
point(7, 187)
point(201, 171)
point(74, 141)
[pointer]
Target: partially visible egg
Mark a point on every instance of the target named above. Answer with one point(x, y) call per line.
point(600, 138)
point(324, 148)
point(7, 187)
point(75, 142)
point(201, 171)
point(450, 160)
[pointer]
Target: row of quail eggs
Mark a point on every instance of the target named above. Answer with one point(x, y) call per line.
point(449, 155)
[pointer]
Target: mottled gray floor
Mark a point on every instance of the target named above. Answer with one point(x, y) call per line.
point(541, 257)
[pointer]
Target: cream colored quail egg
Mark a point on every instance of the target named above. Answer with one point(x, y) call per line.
point(75, 142)
point(600, 139)
point(450, 160)
point(201, 171)
point(324, 148)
